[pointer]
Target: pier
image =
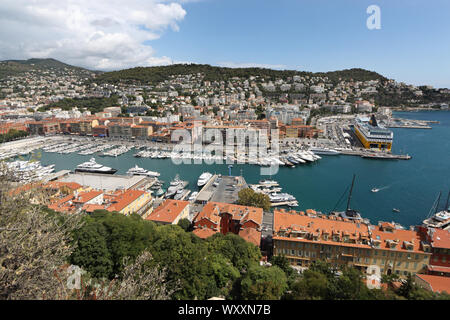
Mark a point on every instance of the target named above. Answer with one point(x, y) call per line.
point(375, 155)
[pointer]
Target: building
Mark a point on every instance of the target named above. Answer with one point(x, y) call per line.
point(170, 212)
point(217, 217)
point(371, 135)
point(129, 201)
point(43, 127)
point(433, 283)
point(439, 240)
point(306, 237)
point(399, 251)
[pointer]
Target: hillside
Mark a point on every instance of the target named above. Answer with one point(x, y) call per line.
point(19, 67)
point(212, 73)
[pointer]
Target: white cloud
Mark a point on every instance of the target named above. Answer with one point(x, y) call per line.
point(98, 34)
point(229, 64)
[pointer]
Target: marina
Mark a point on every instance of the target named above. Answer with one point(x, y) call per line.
point(315, 184)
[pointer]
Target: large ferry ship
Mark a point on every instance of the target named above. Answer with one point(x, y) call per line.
point(93, 167)
point(371, 135)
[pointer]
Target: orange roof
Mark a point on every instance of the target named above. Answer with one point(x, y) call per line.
point(204, 232)
point(401, 237)
point(92, 207)
point(251, 235)
point(441, 238)
point(87, 196)
point(60, 184)
point(124, 198)
point(212, 211)
point(318, 225)
point(437, 283)
point(168, 211)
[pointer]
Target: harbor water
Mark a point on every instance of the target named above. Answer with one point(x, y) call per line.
point(408, 185)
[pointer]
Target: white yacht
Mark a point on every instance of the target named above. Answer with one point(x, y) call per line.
point(193, 196)
point(93, 167)
point(137, 171)
point(204, 178)
point(324, 151)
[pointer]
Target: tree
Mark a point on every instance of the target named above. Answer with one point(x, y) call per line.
point(312, 286)
point(34, 242)
point(241, 253)
point(185, 224)
point(263, 283)
point(248, 197)
point(283, 263)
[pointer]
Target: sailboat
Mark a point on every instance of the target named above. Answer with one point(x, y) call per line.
point(439, 219)
point(350, 214)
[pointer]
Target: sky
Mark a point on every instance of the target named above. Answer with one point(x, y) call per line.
point(412, 45)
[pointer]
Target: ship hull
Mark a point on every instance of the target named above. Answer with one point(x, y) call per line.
point(111, 171)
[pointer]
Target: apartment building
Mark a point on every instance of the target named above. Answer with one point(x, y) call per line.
point(224, 217)
point(439, 240)
point(307, 237)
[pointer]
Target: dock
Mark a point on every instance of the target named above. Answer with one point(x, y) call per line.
point(376, 155)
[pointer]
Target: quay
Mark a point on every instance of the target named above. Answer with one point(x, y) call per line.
point(375, 155)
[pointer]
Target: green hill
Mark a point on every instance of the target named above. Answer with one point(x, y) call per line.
point(212, 73)
point(18, 67)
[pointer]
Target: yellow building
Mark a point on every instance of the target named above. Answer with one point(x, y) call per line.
point(129, 201)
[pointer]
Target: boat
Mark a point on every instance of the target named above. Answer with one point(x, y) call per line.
point(204, 178)
point(193, 196)
point(350, 214)
point(375, 190)
point(395, 210)
point(267, 182)
point(160, 192)
point(439, 219)
point(93, 167)
point(324, 151)
point(137, 171)
point(371, 135)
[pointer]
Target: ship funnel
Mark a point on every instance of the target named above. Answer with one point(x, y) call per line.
point(373, 121)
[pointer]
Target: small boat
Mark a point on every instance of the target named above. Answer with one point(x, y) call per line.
point(375, 190)
point(396, 210)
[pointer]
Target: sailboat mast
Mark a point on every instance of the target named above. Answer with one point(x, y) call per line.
point(437, 204)
point(350, 194)
point(446, 204)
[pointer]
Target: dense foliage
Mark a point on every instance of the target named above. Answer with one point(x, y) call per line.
point(12, 135)
point(204, 268)
point(248, 197)
point(212, 73)
point(18, 67)
point(93, 105)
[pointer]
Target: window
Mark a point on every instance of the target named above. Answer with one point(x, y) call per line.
point(374, 261)
point(293, 252)
point(399, 264)
point(417, 257)
point(406, 265)
point(384, 253)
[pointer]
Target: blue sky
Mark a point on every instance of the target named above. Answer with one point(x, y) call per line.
point(413, 44)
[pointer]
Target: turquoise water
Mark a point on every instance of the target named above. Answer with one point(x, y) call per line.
point(411, 186)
